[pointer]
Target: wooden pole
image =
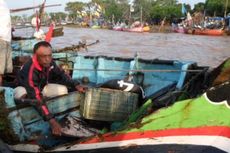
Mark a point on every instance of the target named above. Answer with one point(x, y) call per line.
point(141, 70)
point(226, 8)
point(141, 15)
point(30, 8)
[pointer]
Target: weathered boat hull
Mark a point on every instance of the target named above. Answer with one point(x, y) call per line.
point(210, 32)
point(58, 31)
point(187, 126)
point(179, 30)
point(118, 28)
point(135, 147)
point(135, 29)
point(157, 77)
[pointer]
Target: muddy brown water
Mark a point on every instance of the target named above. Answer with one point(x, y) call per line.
point(205, 50)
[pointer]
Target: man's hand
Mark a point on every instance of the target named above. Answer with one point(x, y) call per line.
point(81, 89)
point(55, 127)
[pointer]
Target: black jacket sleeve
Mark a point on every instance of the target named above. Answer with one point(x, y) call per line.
point(29, 79)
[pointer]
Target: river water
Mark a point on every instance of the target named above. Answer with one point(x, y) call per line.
point(205, 50)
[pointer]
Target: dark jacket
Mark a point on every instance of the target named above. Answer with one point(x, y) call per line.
point(34, 78)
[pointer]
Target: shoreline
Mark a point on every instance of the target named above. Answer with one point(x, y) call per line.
point(153, 28)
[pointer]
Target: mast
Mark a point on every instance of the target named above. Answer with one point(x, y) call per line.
point(141, 15)
point(131, 9)
point(226, 7)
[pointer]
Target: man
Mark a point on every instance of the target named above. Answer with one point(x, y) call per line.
point(35, 77)
point(5, 39)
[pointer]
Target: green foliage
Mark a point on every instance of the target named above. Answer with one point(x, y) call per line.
point(168, 12)
point(215, 7)
point(116, 10)
point(159, 9)
point(146, 6)
point(199, 7)
point(74, 7)
point(119, 10)
point(58, 16)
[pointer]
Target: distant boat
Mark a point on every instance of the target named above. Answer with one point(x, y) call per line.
point(210, 32)
point(117, 28)
point(139, 29)
point(134, 29)
point(146, 28)
point(179, 29)
point(96, 27)
point(58, 31)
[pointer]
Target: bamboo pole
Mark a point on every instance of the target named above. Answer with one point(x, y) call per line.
point(140, 70)
point(30, 8)
point(226, 7)
point(124, 70)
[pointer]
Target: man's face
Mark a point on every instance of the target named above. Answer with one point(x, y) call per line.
point(44, 56)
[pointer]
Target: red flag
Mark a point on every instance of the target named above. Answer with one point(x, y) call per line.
point(49, 33)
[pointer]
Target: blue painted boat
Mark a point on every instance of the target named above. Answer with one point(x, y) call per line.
point(25, 130)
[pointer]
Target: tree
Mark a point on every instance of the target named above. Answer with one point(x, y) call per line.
point(116, 9)
point(168, 9)
point(15, 19)
point(215, 7)
point(57, 16)
point(146, 6)
point(74, 7)
point(199, 7)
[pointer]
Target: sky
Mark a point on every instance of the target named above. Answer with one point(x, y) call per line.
point(27, 3)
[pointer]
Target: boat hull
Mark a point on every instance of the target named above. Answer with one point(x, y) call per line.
point(100, 69)
point(179, 30)
point(210, 32)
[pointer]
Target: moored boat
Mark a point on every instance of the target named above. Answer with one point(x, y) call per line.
point(139, 29)
point(179, 29)
point(157, 77)
point(210, 32)
point(117, 28)
point(134, 29)
point(96, 27)
point(146, 28)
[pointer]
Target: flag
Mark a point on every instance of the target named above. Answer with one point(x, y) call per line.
point(183, 9)
point(49, 34)
point(189, 17)
point(131, 8)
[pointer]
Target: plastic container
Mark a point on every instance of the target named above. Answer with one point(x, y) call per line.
point(108, 105)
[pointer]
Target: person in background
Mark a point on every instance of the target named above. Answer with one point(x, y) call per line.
point(5, 41)
point(40, 77)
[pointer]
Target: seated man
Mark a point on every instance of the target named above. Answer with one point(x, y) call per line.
point(35, 77)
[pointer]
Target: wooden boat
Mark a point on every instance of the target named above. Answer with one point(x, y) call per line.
point(25, 130)
point(146, 28)
point(134, 29)
point(96, 27)
point(25, 44)
point(193, 125)
point(137, 29)
point(118, 28)
point(210, 32)
point(179, 29)
point(58, 31)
